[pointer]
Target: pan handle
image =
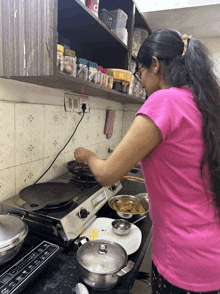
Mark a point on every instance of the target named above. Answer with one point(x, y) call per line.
point(18, 212)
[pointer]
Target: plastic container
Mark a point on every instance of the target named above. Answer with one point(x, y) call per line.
point(82, 69)
point(120, 19)
point(121, 75)
point(106, 17)
point(139, 36)
point(92, 71)
point(60, 57)
point(122, 34)
point(69, 62)
point(130, 89)
point(99, 75)
point(110, 79)
point(136, 88)
point(93, 5)
point(133, 66)
point(104, 77)
point(119, 86)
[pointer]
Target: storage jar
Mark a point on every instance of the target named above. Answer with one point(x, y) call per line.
point(69, 62)
point(99, 75)
point(92, 71)
point(82, 69)
point(110, 79)
point(104, 77)
point(60, 57)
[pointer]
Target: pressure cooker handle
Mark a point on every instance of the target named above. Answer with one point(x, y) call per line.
point(18, 212)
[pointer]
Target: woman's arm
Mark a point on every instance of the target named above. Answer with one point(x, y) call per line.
point(142, 137)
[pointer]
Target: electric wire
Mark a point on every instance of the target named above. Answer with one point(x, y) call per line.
point(62, 148)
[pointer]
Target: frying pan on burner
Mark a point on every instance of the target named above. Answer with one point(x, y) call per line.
point(79, 169)
point(38, 196)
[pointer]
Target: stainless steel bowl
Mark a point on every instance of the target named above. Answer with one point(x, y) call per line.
point(121, 227)
point(128, 215)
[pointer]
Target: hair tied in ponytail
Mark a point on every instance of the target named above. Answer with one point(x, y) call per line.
point(185, 39)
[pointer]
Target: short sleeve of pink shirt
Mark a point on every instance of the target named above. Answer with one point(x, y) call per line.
point(186, 229)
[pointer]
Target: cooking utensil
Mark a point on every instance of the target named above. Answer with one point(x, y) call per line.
point(101, 263)
point(12, 234)
point(81, 170)
point(101, 229)
point(38, 196)
point(122, 227)
point(131, 216)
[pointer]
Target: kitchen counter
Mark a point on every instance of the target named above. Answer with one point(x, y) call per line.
point(62, 274)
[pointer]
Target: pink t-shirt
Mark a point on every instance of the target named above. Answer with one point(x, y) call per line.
point(186, 227)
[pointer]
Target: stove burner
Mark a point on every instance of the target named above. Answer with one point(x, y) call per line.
point(58, 205)
point(84, 179)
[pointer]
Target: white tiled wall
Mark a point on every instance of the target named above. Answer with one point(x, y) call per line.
point(34, 127)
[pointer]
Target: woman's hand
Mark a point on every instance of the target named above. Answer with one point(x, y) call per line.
point(80, 154)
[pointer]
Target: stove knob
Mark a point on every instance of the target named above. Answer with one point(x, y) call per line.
point(83, 213)
point(112, 187)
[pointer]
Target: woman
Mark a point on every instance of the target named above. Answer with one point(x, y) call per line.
point(176, 136)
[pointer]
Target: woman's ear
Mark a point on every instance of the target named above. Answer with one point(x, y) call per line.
point(155, 65)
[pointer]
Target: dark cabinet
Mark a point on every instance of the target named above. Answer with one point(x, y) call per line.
point(31, 30)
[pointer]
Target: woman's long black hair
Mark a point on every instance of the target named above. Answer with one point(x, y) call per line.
point(194, 69)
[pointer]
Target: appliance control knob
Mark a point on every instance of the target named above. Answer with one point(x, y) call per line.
point(112, 187)
point(83, 213)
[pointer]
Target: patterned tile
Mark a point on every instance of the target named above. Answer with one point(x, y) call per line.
point(7, 183)
point(57, 169)
point(29, 132)
point(7, 144)
point(27, 174)
point(54, 130)
point(71, 120)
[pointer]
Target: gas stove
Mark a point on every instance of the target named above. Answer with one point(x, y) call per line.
point(62, 223)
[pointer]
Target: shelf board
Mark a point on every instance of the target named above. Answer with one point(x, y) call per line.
point(75, 85)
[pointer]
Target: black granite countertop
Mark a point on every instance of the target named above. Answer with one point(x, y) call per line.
point(62, 274)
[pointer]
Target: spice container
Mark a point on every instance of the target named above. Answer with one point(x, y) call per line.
point(93, 5)
point(69, 62)
point(104, 77)
point(92, 71)
point(99, 75)
point(60, 57)
point(82, 68)
point(110, 79)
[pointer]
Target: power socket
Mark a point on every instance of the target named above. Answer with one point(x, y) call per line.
point(68, 102)
point(78, 101)
point(74, 102)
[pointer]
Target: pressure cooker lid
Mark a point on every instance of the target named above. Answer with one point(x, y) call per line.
point(101, 256)
point(12, 231)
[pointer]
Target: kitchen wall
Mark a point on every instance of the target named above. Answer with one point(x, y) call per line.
point(34, 127)
point(213, 45)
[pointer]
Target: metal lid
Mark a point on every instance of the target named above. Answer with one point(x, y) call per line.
point(101, 256)
point(12, 231)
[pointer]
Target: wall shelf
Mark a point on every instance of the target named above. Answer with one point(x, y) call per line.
point(29, 40)
point(68, 83)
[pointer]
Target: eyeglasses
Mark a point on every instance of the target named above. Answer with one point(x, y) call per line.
point(137, 73)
